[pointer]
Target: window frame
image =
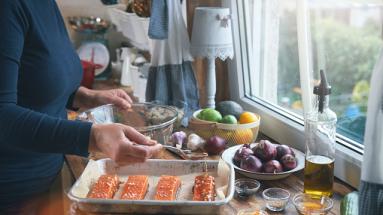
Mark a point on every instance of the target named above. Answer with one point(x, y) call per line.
point(278, 124)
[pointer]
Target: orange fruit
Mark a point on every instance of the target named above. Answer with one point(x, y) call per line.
point(225, 134)
point(247, 117)
point(243, 136)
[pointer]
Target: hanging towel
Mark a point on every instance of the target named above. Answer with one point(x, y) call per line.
point(171, 78)
point(371, 187)
point(158, 24)
point(174, 85)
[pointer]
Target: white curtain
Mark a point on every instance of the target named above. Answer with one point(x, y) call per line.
point(371, 188)
point(372, 168)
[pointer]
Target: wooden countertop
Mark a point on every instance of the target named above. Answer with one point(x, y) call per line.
point(293, 183)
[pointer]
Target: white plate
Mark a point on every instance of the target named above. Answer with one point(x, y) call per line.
point(228, 155)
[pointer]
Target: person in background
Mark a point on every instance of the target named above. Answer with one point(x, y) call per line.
point(40, 75)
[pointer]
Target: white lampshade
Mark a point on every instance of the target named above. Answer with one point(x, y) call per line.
point(212, 34)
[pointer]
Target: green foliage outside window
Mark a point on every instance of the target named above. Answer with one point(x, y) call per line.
point(350, 54)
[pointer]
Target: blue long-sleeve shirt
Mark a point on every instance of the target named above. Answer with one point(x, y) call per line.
point(39, 71)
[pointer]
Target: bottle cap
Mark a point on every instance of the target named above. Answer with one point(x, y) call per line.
point(322, 90)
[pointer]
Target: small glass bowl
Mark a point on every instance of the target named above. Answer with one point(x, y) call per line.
point(245, 187)
point(309, 204)
point(252, 212)
point(276, 198)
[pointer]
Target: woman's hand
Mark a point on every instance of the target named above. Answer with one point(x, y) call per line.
point(87, 98)
point(122, 143)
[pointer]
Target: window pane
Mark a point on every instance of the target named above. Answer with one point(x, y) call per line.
point(346, 41)
point(274, 67)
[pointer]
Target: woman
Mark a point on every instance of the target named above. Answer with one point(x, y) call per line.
point(40, 75)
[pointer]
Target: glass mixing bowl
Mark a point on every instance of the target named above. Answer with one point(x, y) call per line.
point(152, 120)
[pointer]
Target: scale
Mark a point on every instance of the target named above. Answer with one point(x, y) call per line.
point(94, 44)
point(100, 56)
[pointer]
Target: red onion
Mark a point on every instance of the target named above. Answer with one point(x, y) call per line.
point(251, 163)
point(265, 150)
point(215, 145)
point(242, 153)
point(272, 166)
point(289, 162)
point(283, 150)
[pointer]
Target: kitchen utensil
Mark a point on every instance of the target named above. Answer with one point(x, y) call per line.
point(152, 120)
point(185, 169)
point(96, 51)
point(186, 154)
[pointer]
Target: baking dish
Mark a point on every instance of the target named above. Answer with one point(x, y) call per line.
point(185, 169)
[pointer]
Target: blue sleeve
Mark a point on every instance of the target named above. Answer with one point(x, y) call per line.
point(21, 127)
point(69, 104)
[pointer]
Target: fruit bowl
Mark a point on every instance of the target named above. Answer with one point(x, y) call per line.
point(234, 133)
point(229, 153)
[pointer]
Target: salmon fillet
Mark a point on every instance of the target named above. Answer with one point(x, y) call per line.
point(204, 188)
point(167, 188)
point(105, 187)
point(135, 187)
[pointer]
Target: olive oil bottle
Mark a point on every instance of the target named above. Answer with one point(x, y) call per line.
point(320, 130)
point(319, 175)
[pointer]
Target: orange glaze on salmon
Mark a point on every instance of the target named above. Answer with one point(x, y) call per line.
point(135, 187)
point(167, 188)
point(204, 188)
point(105, 187)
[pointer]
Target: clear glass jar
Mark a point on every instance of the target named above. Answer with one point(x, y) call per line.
point(320, 130)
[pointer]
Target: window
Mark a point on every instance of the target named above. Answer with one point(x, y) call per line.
point(346, 38)
point(345, 42)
